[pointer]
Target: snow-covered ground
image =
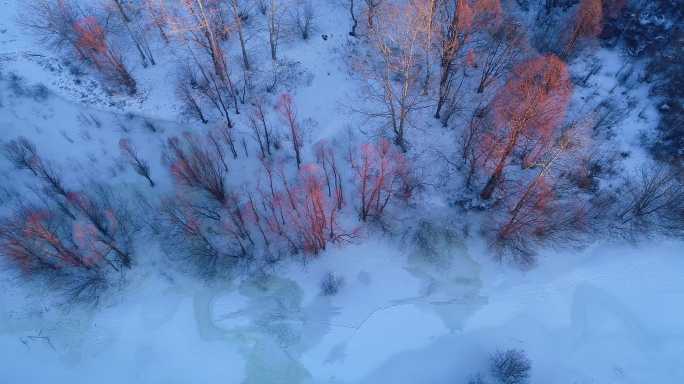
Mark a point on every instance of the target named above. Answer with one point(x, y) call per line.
point(607, 313)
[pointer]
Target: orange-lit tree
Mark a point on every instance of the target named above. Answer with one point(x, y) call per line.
point(92, 43)
point(526, 113)
point(537, 208)
point(587, 23)
point(381, 172)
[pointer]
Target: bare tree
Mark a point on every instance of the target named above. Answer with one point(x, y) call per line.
point(159, 16)
point(261, 131)
point(303, 16)
point(121, 7)
point(108, 222)
point(393, 81)
point(136, 32)
point(288, 112)
point(471, 136)
point(53, 22)
point(500, 51)
point(139, 165)
point(192, 231)
point(186, 86)
point(204, 27)
point(237, 22)
point(274, 27)
point(653, 200)
point(327, 159)
point(456, 21)
point(355, 21)
point(213, 90)
point(198, 166)
point(372, 7)
point(22, 154)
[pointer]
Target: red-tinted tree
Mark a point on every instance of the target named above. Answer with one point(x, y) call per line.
point(41, 227)
point(106, 222)
point(381, 174)
point(312, 215)
point(43, 244)
point(526, 113)
point(313, 218)
point(297, 211)
point(536, 209)
point(587, 23)
point(93, 45)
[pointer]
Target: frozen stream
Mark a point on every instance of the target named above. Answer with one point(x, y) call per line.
point(611, 317)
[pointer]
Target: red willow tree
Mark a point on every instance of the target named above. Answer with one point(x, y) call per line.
point(74, 252)
point(40, 243)
point(540, 207)
point(313, 215)
point(587, 23)
point(526, 112)
point(381, 173)
point(92, 44)
point(297, 211)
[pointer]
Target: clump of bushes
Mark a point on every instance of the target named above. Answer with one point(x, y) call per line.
point(331, 284)
point(511, 366)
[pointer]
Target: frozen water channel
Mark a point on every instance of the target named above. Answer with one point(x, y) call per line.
point(400, 317)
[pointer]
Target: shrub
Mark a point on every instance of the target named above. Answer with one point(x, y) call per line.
point(510, 367)
point(331, 284)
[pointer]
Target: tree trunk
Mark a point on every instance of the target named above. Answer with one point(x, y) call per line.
point(355, 22)
point(494, 179)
